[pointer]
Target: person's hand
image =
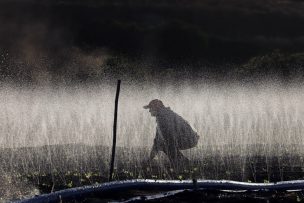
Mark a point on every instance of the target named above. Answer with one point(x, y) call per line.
point(153, 153)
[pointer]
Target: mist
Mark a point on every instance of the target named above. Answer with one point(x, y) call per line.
point(223, 115)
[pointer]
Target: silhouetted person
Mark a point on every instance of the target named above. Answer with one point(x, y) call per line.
point(173, 133)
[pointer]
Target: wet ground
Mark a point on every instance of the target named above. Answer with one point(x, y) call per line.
point(199, 195)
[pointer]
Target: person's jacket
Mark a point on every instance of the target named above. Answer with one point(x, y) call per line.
point(173, 131)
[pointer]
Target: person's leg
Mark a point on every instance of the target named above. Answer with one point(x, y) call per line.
point(183, 161)
point(175, 157)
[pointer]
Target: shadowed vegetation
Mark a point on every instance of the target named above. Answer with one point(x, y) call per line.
point(71, 40)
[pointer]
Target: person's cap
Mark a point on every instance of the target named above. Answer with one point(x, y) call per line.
point(155, 103)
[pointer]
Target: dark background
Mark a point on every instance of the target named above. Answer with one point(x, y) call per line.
point(82, 41)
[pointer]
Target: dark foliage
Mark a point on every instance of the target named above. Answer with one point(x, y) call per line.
point(164, 33)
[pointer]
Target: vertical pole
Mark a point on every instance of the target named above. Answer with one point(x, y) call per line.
point(114, 130)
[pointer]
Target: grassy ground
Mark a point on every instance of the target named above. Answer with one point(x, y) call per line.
point(47, 169)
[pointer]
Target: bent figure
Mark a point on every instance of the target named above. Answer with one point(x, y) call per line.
point(173, 133)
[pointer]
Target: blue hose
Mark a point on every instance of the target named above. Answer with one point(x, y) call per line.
point(81, 192)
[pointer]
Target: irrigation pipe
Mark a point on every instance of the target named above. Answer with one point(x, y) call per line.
point(140, 184)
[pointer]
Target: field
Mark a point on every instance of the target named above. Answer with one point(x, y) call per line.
point(232, 68)
point(56, 138)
